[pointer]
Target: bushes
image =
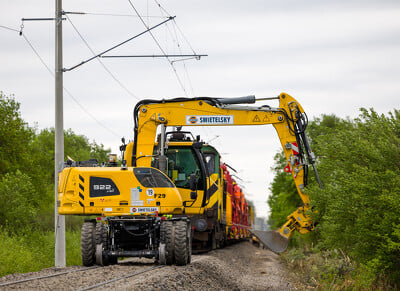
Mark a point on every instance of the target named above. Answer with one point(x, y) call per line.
point(15, 137)
point(358, 209)
point(27, 191)
point(34, 250)
point(18, 202)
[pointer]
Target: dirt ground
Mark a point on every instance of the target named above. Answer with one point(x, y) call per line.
point(240, 266)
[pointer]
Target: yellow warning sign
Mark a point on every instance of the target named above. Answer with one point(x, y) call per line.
point(256, 119)
point(265, 119)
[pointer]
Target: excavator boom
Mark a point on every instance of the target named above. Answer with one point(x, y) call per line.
point(289, 120)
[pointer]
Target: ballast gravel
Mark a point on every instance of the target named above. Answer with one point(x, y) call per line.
point(241, 266)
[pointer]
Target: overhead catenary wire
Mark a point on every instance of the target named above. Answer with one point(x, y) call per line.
point(206, 130)
point(118, 45)
point(156, 56)
point(184, 63)
point(162, 9)
point(111, 14)
point(66, 90)
point(180, 50)
point(9, 28)
point(161, 49)
point(111, 74)
point(101, 63)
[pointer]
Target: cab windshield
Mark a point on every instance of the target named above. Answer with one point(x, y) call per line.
point(182, 162)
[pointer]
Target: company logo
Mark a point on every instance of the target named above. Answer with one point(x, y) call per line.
point(144, 209)
point(193, 120)
point(209, 119)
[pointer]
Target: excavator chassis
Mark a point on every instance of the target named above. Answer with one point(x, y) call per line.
point(167, 241)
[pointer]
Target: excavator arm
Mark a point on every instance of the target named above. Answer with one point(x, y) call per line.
point(289, 120)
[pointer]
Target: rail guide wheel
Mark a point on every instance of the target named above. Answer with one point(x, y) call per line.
point(99, 255)
point(162, 259)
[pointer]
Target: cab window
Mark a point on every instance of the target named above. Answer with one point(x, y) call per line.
point(182, 162)
point(210, 163)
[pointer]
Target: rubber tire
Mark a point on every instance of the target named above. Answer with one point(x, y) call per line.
point(189, 245)
point(181, 243)
point(162, 232)
point(88, 244)
point(169, 238)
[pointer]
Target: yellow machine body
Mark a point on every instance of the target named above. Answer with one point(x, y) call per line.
point(110, 191)
point(202, 113)
point(80, 188)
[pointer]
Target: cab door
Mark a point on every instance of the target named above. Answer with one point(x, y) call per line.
point(186, 163)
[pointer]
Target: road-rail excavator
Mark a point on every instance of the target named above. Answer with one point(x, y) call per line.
point(168, 196)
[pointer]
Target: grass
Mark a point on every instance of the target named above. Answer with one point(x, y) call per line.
point(332, 270)
point(34, 250)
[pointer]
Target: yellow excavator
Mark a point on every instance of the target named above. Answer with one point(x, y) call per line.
point(165, 196)
point(289, 120)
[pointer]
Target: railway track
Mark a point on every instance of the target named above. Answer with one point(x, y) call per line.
point(237, 267)
point(120, 278)
point(25, 280)
point(4, 284)
point(137, 271)
point(125, 277)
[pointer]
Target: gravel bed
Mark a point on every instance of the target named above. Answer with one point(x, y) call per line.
point(240, 266)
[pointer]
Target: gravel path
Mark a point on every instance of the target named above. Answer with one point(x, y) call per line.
point(238, 267)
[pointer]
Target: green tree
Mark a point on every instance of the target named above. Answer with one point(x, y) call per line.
point(18, 202)
point(15, 137)
point(284, 198)
point(76, 146)
point(359, 205)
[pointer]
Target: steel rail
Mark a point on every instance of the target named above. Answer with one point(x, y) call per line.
point(46, 276)
point(121, 278)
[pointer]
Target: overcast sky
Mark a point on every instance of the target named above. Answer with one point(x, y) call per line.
point(332, 56)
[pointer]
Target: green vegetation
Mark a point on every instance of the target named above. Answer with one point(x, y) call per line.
point(358, 209)
point(27, 192)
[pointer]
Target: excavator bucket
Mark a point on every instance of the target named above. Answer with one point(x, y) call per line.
point(272, 239)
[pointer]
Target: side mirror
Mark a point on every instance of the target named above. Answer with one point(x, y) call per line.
point(193, 182)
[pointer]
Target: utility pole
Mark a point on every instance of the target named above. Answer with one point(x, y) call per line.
point(59, 248)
